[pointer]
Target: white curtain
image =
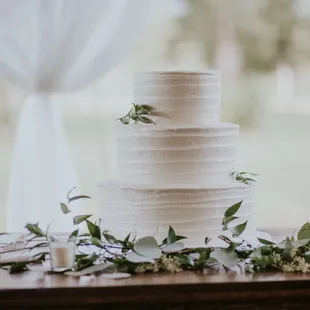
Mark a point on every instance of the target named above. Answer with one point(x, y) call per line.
point(52, 46)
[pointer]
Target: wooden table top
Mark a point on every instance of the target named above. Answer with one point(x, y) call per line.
point(35, 289)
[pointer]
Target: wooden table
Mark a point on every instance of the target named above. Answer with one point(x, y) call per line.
point(184, 291)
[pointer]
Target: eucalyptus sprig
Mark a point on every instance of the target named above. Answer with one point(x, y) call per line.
point(138, 113)
point(244, 177)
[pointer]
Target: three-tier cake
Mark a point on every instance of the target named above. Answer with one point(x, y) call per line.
point(178, 172)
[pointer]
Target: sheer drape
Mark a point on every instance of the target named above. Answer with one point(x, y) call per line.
point(51, 46)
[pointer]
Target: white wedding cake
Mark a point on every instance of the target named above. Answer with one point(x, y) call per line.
point(178, 172)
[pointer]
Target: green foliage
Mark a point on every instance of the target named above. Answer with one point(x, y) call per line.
point(147, 247)
point(80, 219)
point(35, 229)
point(239, 229)
point(94, 230)
point(244, 177)
point(265, 242)
point(138, 113)
point(304, 232)
point(226, 257)
point(145, 255)
point(64, 208)
point(232, 210)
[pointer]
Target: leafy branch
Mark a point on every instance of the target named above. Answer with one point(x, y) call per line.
point(115, 256)
point(138, 113)
point(244, 177)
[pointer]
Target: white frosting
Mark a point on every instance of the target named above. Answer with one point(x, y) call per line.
point(162, 155)
point(182, 97)
point(193, 211)
point(178, 172)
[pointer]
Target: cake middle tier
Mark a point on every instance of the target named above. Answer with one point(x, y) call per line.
point(154, 155)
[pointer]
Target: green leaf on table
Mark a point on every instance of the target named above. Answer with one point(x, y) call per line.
point(173, 247)
point(288, 246)
point(263, 261)
point(97, 242)
point(126, 240)
point(35, 229)
point(147, 247)
point(178, 238)
point(64, 208)
point(204, 255)
point(136, 258)
point(111, 239)
point(18, 267)
point(74, 233)
point(239, 229)
point(226, 257)
point(265, 242)
point(304, 232)
point(172, 238)
point(94, 230)
point(71, 199)
point(265, 250)
point(86, 261)
point(80, 218)
point(300, 243)
point(228, 219)
point(233, 209)
point(186, 260)
point(307, 256)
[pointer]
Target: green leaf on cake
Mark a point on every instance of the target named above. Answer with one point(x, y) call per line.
point(304, 232)
point(233, 209)
point(138, 113)
point(147, 247)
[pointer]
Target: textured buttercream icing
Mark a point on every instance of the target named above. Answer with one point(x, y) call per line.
point(178, 172)
point(193, 211)
point(187, 155)
point(182, 98)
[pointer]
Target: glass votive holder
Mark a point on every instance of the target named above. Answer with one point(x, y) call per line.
point(62, 252)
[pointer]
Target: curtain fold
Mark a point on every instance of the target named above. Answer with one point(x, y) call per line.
point(51, 46)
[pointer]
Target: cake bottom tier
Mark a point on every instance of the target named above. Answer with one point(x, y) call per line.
point(193, 211)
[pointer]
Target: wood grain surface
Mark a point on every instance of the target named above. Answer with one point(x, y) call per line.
point(187, 291)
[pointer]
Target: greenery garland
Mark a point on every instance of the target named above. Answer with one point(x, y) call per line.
point(133, 256)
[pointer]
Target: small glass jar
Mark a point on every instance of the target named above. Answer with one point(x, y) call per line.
point(62, 252)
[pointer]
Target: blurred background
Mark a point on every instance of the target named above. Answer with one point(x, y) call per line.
point(262, 48)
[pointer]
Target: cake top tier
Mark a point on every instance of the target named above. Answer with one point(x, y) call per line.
point(180, 97)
